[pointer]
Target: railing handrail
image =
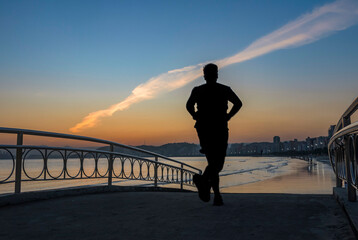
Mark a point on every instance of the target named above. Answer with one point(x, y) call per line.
point(350, 110)
point(348, 129)
point(88, 150)
point(89, 139)
point(341, 154)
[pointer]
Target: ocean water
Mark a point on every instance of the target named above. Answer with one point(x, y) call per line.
point(240, 174)
point(273, 175)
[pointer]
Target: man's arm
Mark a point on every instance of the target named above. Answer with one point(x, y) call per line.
point(190, 104)
point(237, 104)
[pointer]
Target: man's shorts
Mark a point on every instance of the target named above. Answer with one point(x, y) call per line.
point(213, 140)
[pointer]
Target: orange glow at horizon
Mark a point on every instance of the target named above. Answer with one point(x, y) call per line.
point(169, 122)
point(264, 114)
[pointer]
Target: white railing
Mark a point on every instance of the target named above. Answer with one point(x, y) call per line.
point(343, 151)
point(106, 163)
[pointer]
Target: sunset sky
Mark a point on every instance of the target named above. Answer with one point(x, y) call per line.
point(62, 60)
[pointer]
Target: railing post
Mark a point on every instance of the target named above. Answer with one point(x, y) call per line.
point(18, 163)
point(339, 182)
point(81, 165)
point(110, 166)
point(181, 176)
point(96, 166)
point(352, 196)
point(45, 165)
point(65, 165)
point(346, 121)
point(156, 172)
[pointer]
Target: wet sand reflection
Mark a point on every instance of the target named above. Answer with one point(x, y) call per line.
point(305, 178)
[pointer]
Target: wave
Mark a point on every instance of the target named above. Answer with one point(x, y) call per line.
point(239, 184)
point(270, 168)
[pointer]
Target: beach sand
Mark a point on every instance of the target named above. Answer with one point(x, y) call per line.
point(305, 178)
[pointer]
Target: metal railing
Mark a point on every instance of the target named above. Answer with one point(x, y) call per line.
point(105, 164)
point(343, 151)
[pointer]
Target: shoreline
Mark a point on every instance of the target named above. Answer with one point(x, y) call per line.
point(310, 178)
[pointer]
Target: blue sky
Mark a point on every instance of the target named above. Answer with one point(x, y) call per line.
point(69, 58)
point(111, 38)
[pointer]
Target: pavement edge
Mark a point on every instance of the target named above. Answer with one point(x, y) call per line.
point(350, 208)
point(13, 199)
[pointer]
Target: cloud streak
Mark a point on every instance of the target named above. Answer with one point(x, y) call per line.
point(308, 28)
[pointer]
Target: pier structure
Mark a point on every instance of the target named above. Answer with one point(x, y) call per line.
point(343, 152)
point(112, 211)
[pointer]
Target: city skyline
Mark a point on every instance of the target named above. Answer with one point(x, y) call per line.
point(62, 61)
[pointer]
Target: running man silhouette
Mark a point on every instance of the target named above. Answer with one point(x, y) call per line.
point(211, 117)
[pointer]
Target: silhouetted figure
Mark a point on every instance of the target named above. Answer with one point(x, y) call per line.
point(211, 117)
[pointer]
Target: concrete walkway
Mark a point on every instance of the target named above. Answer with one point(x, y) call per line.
point(176, 215)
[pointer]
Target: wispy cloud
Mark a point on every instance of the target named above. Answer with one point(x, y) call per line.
point(308, 28)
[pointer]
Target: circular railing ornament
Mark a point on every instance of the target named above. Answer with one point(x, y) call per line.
point(25, 160)
point(87, 159)
point(102, 165)
point(73, 159)
point(12, 159)
point(51, 160)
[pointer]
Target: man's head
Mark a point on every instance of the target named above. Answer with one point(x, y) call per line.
point(210, 73)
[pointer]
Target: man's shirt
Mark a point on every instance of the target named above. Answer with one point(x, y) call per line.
point(212, 104)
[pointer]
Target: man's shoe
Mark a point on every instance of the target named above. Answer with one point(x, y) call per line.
point(218, 200)
point(203, 187)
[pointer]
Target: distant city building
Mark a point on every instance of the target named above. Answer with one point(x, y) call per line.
point(266, 148)
point(317, 145)
point(330, 131)
point(276, 144)
point(309, 143)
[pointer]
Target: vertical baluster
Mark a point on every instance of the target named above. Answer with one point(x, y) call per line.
point(96, 165)
point(352, 196)
point(337, 156)
point(81, 165)
point(45, 165)
point(110, 166)
point(18, 163)
point(156, 172)
point(181, 176)
point(65, 165)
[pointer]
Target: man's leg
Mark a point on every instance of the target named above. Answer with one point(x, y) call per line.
point(218, 201)
point(214, 144)
point(211, 173)
point(216, 157)
point(218, 166)
point(201, 181)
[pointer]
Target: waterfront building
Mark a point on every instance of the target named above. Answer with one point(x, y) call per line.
point(267, 148)
point(330, 131)
point(276, 144)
